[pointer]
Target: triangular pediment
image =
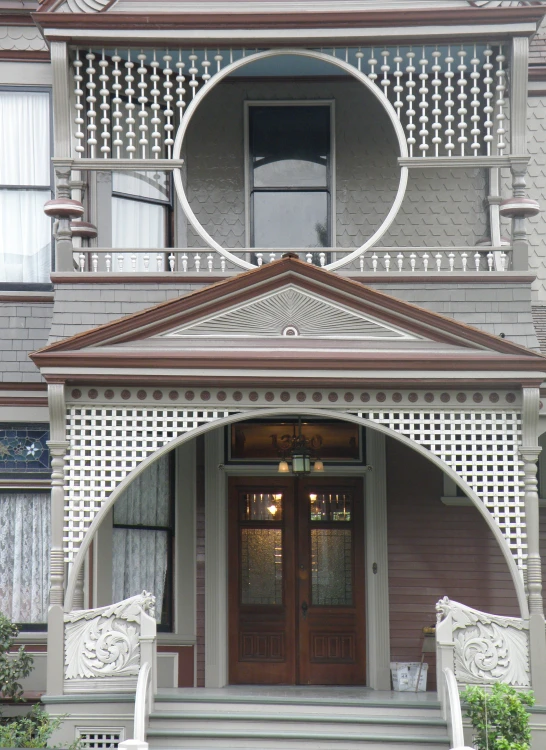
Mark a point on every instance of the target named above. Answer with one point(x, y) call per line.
point(289, 315)
point(290, 311)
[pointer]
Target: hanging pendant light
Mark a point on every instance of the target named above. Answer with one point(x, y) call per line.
point(300, 454)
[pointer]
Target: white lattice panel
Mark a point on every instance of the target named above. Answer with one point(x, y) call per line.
point(482, 448)
point(105, 445)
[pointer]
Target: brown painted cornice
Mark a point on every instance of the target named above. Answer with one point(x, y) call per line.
point(268, 278)
point(288, 20)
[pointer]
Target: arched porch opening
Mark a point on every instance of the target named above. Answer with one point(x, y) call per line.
point(286, 411)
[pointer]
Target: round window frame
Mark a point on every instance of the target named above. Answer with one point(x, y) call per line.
point(321, 56)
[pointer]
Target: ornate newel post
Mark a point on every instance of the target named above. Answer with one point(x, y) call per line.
point(58, 447)
point(64, 210)
point(529, 452)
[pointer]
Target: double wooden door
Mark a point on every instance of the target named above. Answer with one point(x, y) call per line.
point(296, 581)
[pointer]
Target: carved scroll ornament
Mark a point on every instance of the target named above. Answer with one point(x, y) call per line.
point(487, 648)
point(105, 642)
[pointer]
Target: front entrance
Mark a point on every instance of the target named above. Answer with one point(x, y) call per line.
point(296, 581)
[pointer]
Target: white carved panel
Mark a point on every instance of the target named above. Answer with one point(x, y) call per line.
point(482, 448)
point(291, 312)
point(487, 648)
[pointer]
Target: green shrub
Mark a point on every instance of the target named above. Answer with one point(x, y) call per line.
point(14, 667)
point(499, 717)
point(32, 730)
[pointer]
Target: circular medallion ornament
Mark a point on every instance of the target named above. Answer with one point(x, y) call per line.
point(429, 397)
point(413, 397)
point(189, 395)
point(76, 393)
point(125, 394)
point(93, 393)
point(365, 397)
point(461, 398)
point(221, 395)
point(173, 395)
point(141, 395)
point(158, 395)
point(109, 394)
point(317, 396)
point(253, 396)
point(301, 396)
point(269, 396)
point(349, 397)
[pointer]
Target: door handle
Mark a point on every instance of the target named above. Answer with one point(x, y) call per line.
point(304, 608)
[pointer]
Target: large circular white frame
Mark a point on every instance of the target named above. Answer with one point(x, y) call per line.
point(217, 77)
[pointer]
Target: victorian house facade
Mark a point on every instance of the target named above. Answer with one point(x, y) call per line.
point(274, 291)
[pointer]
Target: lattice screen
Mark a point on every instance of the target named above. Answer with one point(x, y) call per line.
point(105, 445)
point(482, 448)
point(99, 739)
point(108, 442)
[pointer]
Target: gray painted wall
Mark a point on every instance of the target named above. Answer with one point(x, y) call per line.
point(442, 207)
point(24, 327)
point(536, 181)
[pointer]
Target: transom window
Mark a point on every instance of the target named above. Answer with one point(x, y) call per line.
point(290, 175)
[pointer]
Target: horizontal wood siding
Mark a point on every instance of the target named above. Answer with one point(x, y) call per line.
point(434, 551)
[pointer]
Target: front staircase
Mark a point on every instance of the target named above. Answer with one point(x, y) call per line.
point(293, 718)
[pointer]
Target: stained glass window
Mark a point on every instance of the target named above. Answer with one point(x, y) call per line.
point(331, 570)
point(261, 566)
point(24, 451)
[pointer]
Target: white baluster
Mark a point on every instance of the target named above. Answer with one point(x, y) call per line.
point(387, 262)
point(309, 257)
point(374, 262)
point(490, 260)
point(500, 88)
point(385, 68)
point(222, 263)
point(438, 258)
point(449, 103)
point(94, 262)
point(359, 55)
point(206, 64)
point(322, 259)
point(218, 57)
point(155, 78)
point(425, 261)
point(488, 97)
point(398, 88)
point(91, 99)
point(400, 261)
point(168, 98)
point(193, 71)
point(180, 90)
point(475, 103)
point(210, 260)
point(146, 261)
point(116, 101)
point(462, 97)
point(477, 260)
point(142, 100)
point(272, 257)
point(160, 262)
point(503, 258)
point(451, 260)
point(361, 259)
point(172, 261)
point(372, 62)
point(108, 261)
point(81, 261)
point(423, 105)
point(130, 106)
point(133, 262)
point(184, 260)
point(104, 105)
point(259, 259)
point(413, 259)
point(410, 98)
point(197, 262)
point(120, 263)
point(79, 107)
point(436, 98)
point(464, 259)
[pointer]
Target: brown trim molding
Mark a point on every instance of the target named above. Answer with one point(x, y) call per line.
point(288, 20)
point(23, 386)
point(213, 298)
point(23, 297)
point(13, 55)
point(22, 401)
point(37, 484)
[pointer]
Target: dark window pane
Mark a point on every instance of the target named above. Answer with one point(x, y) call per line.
point(290, 146)
point(261, 506)
point(290, 219)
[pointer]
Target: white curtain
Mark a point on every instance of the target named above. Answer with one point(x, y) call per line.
point(24, 556)
point(140, 556)
point(25, 231)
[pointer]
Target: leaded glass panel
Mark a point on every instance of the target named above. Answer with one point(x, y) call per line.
point(261, 506)
point(330, 506)
point(331, 569)
point(261, 566)
point(23, 450)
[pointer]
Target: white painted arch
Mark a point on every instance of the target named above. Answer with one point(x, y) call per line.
point(348, 68)
point(287, 411)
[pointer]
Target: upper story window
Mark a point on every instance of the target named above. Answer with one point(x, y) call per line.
point(25, 185)
point(290, 175)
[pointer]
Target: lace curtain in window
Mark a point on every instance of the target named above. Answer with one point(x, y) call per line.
point(24, 556)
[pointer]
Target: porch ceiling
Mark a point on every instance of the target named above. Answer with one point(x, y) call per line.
point(289, 316)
